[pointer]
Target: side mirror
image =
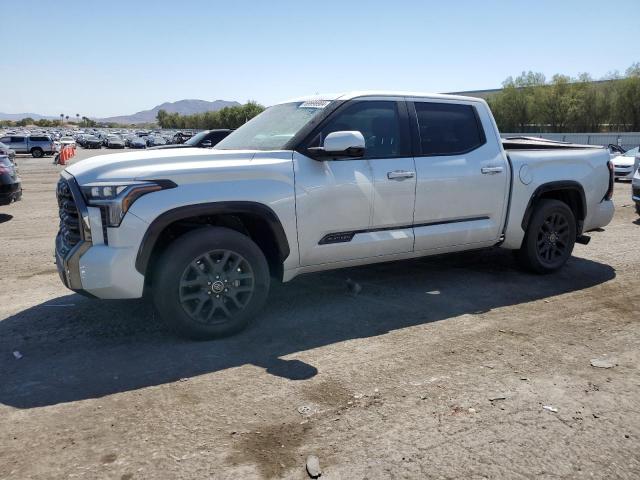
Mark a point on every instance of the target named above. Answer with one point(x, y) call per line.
point(205, 144)
point(341, 144)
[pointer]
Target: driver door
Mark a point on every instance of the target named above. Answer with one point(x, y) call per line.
point(355, 208)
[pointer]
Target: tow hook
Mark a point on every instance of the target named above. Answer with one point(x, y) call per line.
point(583, 239)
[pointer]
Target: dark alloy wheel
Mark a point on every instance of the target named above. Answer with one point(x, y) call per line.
point(550, 237)
point(211, 282)
point(216, 286)
point(553, 239)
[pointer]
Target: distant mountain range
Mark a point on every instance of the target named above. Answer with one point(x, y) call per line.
point(20, 116)
point(183, 107)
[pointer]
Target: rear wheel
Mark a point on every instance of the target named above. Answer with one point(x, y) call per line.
point(37, 152)
point(211, 282)
point(550, 237)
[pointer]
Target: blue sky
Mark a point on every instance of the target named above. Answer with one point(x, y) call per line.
point(119, 57)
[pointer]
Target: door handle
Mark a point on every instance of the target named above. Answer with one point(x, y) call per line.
point(491, 170)
point(400, 175)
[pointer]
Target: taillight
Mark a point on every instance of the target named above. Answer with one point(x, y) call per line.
point(609, 194)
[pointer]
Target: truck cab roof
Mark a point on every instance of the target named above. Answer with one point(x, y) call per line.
point(381, 93)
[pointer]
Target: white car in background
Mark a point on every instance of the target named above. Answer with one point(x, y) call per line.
point(623, 164)
point(64, 141)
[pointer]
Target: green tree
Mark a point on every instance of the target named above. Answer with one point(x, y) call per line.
point(626, 104)
point(228, 117)
point(25, 121)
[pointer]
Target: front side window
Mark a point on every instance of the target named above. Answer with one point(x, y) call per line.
point(379, 123)
point(448, 128)
point(273, 128)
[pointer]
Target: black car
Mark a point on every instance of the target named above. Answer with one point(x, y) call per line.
point(10, 186)
point(91, 141)
point(138, 143)
point(205, 139)
point(9, 152)
point(155, 141)
point(181, 137)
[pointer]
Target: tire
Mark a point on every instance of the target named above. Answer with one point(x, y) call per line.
point(210, 283)
point(37, 152)
point(550, 237)
point(638, 208)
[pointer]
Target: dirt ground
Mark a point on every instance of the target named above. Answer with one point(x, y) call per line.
point(439, 368)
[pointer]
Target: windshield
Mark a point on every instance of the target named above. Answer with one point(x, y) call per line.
point(273, 128)
point(195, 140)
point(632, 153)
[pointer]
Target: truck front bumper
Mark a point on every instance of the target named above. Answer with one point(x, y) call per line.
point(91, 266)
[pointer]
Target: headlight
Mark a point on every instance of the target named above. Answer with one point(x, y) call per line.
point(115, 199)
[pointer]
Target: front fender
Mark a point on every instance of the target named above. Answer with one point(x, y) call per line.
point(265, 185)
point(167, 218)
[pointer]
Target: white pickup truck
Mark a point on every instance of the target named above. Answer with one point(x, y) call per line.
point(314, 184)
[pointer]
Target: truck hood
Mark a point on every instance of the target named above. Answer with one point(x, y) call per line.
point(169, 164)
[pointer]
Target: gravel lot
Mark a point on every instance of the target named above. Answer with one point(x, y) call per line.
point(396, 382)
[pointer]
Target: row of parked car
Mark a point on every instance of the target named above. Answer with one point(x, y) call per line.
point(43, 143)
point(39, 144)
point(205, 139)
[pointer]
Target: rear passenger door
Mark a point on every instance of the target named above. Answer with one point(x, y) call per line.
point(462, 175)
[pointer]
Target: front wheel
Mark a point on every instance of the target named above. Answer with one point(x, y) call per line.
point(37, 152)
point(211, 282)
point(550, 237)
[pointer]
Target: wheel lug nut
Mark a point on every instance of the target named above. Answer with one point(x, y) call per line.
point(226, 289)
point(217, 296)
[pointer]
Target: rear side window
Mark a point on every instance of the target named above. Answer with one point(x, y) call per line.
point(5, 139)
point(448, 129)
point(39, 139)
point(17, 139)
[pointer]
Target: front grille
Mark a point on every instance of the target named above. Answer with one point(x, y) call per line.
point(69, 232)
point(103, 217)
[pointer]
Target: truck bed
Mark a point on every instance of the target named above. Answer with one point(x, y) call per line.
point(533, 143)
